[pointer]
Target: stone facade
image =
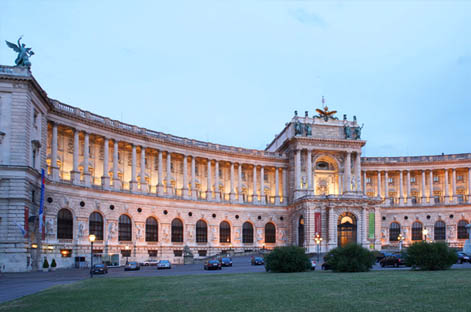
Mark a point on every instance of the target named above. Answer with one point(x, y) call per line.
point(147, 194)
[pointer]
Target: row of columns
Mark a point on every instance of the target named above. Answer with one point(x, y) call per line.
point(408, 197)
point(75, 174)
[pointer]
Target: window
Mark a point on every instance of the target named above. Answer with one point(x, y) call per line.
point(322, 165)
point(462, 233)
point(66, 253)
point(414, 199)
point(301, 231)
point(152, 230)
point(394, 231)
point(202, 253)
point(95, 225)
point(459, 178)
point(439, 231)
point(247, 233)
point(460, 198)
point(201, 232)
point(270, 233)
point(178, 253)
point(436, 179)
point(152, 253)
point(224, 232)
point(416, 231)
point(436, 199)
point(124, 228)
point(126, 253)
point(413, 180)
point(390, 181)
point(65, 224)
point(368, 180)
point(177, 231)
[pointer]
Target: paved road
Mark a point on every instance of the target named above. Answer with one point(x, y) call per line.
point(15, 285)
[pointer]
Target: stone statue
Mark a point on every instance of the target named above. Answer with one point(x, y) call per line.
point(358, 132)
point(298, 128)
point(111, 230)
point(50, 226)
point(81, 229)
point(187, 252)
point(348, 132)
point(24, 53)
point(259, 235)
point(353, 184)
point(138, 231)
point(308, 129)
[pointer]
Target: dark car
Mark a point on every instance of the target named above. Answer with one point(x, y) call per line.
point(382, 255)
point(132, 266)
point(164, 264)
point(226, 262)
point(462, 257)
point(212, 265)
point(257, 261)
point(99, 269)
point(394, 259)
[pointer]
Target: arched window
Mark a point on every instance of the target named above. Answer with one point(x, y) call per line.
point(224, 232)
point(65, 224)
point(301, 231)
point(177, 231)
point(394, 231)
point(201, 232)
point(439, 231)
point(124, 228)
point(416, 231)
point(152, 230)
point(270, 233)
point(462, 233)
point(95, 225)
point(247, 233)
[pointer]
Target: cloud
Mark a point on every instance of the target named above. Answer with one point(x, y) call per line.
point(308, 18)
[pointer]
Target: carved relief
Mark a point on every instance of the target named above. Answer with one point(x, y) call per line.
point(81, 229)
point(111, 230)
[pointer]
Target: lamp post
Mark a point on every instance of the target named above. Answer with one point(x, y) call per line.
point(425, 232)
point(318, 240)
point(400, 238)
point(92, 238)
point(127, 253)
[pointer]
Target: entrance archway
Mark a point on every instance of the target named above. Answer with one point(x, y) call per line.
point(346, 229)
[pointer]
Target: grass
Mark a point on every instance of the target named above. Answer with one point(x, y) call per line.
point(311, 291)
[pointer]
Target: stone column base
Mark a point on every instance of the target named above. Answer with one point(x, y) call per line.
point(105, 182)
point(87, 178)
point(117, 184)
point(133, 186)
point(144, 188)
point(55, 173)
point(160, 190)
point(75, 176)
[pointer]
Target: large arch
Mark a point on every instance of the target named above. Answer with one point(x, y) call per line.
point(247, 233)
point(326, 173)
point(346, 229)
point(65, 224)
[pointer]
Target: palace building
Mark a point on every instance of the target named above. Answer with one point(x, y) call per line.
point(150, 195)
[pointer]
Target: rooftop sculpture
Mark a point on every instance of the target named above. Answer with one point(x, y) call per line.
point(24, 53)
point(325, 113)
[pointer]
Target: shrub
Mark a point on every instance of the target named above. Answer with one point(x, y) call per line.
point(351, 258)
point(430, 256)
point(45, 264)
point(53, 263)
point(287, 259)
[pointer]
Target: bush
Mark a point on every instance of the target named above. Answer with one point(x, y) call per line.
point(430, 256)
point(287, 259)
point(45, 264)
point(351, 258)
point(53, 263)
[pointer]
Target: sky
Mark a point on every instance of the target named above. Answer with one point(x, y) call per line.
point(233, 72)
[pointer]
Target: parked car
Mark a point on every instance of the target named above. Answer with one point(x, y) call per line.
point(394, 259)
point(164, 264)
point(99, 269)
point(462, 257)
point(150, 262)
point(132, 266)
point(382, 255)
point(226, 262)
point(313, 264)
point(212, 265)
point(257, 261)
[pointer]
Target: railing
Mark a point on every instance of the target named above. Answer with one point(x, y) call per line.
point(427, 201)
point(410, 159)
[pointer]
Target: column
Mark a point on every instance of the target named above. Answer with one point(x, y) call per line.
point(332, 229)
point(409, 201)
point(284, 177)
point(453, 185)
point(347, 180)
point(430, 195)
point(386, 187)
point(144, 187)
point(297, 171)
point(239, 183)
point(54, 168)
point(364, 224)
point(209, 182)
point(169, 175)
point(401, 188)
point(160, 185)
point(447, 195)
point(377, 228)
point(217, 190)
point(357, 172)
point(340, 184)
point(262, 185)
point(86, 156)
point(133, 183)
point(309, 171)
point(185, 176)
point(232, 189)
point(254, 197)
point(277, 187)
point(423, 188)
point(378, 184)
point(116, 181)
point(469, 185)
point(364, 182)
point(105, 179)
point(75, 170)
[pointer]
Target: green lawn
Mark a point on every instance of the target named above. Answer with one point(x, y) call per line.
point(311, 291)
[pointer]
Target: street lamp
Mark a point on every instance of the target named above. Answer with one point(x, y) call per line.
point(318, 240)
point(92, 238)
point(127, 253)
point(400, 238)
point(425, 232)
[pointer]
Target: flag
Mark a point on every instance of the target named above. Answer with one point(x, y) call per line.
point(23, 231)
point(41, 203)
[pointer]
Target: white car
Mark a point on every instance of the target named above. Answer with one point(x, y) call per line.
point(150, 262)
point(164, 264)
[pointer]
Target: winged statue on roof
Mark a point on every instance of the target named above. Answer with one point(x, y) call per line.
point(325, 113)
point(24, 53)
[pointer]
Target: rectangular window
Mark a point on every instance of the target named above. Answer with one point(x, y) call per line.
point(460, 198)
point(152, 253)
point(414, 199)
point(202, 253)
point(436, 179)
point(390, 180)
point(265, 177)
point(413, 180)
point(66, 253)
point(459, 178)
point(126, 252)
point(178, 253)
point(368, 180)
